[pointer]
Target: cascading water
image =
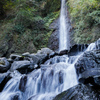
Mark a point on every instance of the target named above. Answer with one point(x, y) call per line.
point(64, 25)
point(55, 75)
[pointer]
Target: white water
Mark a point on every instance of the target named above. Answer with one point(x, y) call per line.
point(64, 33)
point(56, 75)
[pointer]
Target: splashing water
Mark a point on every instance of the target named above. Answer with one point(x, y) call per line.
point(55, 76)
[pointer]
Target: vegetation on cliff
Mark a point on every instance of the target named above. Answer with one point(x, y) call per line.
point(24, 24)
point(85, 17)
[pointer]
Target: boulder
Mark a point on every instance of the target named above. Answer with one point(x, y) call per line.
point(63, 52)
point(4, 65)
point(78, 92)
point(88, 68)
point(23, 67)
point(16, 57)
point(45, 51)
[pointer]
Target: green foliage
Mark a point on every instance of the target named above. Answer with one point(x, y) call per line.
point(19, 29)
point(85, 15)
point(51, 6)
point(28, 21)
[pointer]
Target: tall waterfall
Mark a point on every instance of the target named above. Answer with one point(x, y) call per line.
point(63, 32)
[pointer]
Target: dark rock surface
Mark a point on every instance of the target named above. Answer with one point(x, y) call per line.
point(53, 42)
point(63, 52)
point(79, 92)
point(24, 66)
point(4, 78)
point(88, 68)
point(22, 84)
point(98, 44)
point(4, 65)
point(90, 59)
point(15, 97)
point(77, 48)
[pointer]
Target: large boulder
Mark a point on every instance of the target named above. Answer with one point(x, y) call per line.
point(40, 57)
point(4, 65)
point(79, 92)
point(88, 67)
point(23, 67)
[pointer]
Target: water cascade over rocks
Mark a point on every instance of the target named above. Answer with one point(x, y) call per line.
point(34, 79)
point(56, 75)
point(64, 41)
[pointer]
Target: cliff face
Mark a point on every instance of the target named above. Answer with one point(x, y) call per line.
point(85, 18)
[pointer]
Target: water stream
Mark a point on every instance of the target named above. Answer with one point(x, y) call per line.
point(64, 42)
point(56, 74)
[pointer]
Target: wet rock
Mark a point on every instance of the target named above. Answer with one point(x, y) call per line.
point(90, 59)
point(53, 54)
point(4, 78)
point(63, 52)
point(98, 44)
point(27, 54)
point(45, 51)
point(4, 65)
point(91, 76)
point(79, 92)
point(16, 57)
point(22, 66)
point(88, 68)
point(53, 42)
point(15, 97)
point(22, 84)
point(77, 48)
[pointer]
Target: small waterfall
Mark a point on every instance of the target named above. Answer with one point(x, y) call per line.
point(64, 25)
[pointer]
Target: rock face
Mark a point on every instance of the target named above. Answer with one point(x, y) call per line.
point(77, 48)
point(53, 42)
point(79, 92)
point(88, 68)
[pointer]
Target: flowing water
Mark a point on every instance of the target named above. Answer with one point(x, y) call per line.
point(55, 75)
point(64, 25)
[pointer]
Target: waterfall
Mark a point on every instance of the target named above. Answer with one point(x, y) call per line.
point(55, 76)
point(64, 25)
